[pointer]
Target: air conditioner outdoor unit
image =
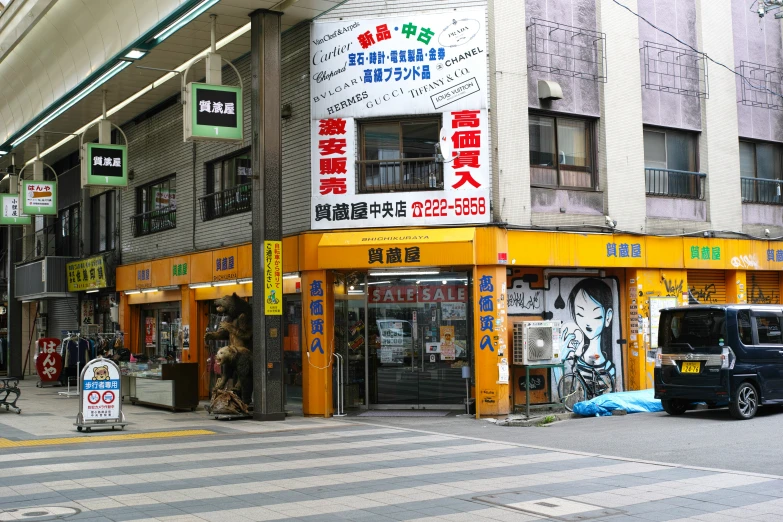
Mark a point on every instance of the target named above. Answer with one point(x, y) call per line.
point(537, 342)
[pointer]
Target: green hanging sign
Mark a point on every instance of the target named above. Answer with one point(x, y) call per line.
point(12, 211)
point(105, 165)
point(39, 197)
point(213, 112)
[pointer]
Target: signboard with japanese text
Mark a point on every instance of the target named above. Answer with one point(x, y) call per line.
point(412, 64)
point(39, 197)
point(105, 165)
point(433, 65)
point(273, 277)
point(100, 391)
point(48, 363)
point(12, 211)
point(460, 187)
point(213, 112)
point(86, 274)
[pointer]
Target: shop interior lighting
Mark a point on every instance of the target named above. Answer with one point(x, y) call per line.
point(73, 101)
point(92, 291)
point(224, 283)
point(131, 292)
point(149, 290)
point(177, 24)
point(135, 54)
point(157, 83)
point(245, 281)
point(171, 287)
point(291, 275)
point(199, 285)
point(428, 271)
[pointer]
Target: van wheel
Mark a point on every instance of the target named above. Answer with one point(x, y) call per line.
point(673, 406)
point(745, 402)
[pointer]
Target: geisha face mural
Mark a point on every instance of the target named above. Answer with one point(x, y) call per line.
point(588, 308)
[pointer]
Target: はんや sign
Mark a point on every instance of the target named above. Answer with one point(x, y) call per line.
point(39, 197)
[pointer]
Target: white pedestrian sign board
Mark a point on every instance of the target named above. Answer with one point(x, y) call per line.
point(100, 395)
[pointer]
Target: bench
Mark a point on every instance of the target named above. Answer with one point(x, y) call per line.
point(9, 389)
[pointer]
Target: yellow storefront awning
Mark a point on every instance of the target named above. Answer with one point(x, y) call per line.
point(396, 249)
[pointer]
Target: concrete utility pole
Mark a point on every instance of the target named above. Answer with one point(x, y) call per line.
point(14, 363)
point(266, 130)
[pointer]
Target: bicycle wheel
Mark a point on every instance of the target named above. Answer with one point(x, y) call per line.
point(571, 391)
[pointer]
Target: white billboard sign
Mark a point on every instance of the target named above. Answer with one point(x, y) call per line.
point(418, 64)
point(423, 65)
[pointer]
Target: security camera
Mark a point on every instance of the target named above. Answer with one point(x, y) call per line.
point(766, 232)
point(610, 222)
point(761, 11)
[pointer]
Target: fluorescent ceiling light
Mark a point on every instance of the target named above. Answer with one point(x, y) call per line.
point(92, 291)
point(184, 19)
point(131, 292)
point(70, 103)
point(403, 273)
point(224, 283)
point(157, 83)
point(3, 152)
point(135, 54)
point(291, 275)
point(149, 290)
point(200, 285)
point(245, 281)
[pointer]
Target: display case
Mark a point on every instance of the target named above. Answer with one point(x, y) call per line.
point(166, 385)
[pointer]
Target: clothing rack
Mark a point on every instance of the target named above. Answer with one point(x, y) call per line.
point(77, 338)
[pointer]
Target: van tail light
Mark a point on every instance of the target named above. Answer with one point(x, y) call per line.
point(727, 359)
point(658, 357)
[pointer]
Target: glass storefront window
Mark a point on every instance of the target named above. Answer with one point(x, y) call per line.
point(292, 351)
point(419, 338)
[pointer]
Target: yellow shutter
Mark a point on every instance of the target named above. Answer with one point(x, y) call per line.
point(706, 286)
point(763, 287)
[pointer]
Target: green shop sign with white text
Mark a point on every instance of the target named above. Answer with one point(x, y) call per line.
point(12, 211)
point(213, 112)
point(39, 197)
point(105, 165)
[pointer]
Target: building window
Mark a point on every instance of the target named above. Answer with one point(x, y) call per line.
point(67, 232)
point(561, 152)
point(228, 186)
point(670, 164)
point(102, 222)
point(156, 207)
point(399, 155)
point(761, 172)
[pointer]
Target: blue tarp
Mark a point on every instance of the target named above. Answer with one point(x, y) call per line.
point(632, 402)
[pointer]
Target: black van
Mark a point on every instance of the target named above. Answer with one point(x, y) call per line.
point(720, 354)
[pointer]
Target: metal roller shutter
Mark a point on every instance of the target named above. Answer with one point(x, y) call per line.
point(706, 286)
point(63, 315)
point(763, 287)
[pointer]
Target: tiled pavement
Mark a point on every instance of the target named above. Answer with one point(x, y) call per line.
point(346, 471)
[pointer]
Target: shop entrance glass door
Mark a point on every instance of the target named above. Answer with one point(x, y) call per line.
point(349, 342)
point(419, 340)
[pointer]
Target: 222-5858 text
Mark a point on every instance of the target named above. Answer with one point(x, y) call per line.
point(441, 207)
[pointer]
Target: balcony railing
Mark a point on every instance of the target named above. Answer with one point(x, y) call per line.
point(764, 191)
point(675, 183)
point(400, 175)
point(234, 200)
point(157, 220)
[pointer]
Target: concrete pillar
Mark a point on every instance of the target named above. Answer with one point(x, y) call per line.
point(266, 142)
point(14, 306)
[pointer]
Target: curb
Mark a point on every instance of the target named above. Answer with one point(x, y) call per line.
point(535, 420)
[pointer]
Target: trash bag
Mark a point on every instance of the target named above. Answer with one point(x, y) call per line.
point(631, 401)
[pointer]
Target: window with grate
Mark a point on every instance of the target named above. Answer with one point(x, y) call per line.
point(561, 152)
point(156, 207)
point(228, 186)
point(102, 222)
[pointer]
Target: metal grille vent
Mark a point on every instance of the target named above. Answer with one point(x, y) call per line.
point(539, 343)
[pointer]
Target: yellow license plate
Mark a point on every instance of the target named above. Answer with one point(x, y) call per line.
point(691, 367)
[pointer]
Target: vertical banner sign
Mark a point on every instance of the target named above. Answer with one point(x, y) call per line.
point(273, 277)
point(422, 65)
point(101, 390)
point(213, 112)
point(12, 211)
point(48, 362)
point(105, 165)
point(39, 197)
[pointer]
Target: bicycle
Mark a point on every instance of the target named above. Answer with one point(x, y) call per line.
point(582, 383)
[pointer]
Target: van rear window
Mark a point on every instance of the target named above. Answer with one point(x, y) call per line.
point(702, 330)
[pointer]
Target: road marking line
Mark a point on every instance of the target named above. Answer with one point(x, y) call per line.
point(5, 443)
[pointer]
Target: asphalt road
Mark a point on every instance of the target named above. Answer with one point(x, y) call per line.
point(704, 438)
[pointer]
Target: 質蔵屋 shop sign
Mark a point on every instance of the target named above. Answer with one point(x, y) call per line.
point(432, 65)
point(213, 112)
point(412, 64)
point(12, 211)
point(105, 165)
point(39, 197)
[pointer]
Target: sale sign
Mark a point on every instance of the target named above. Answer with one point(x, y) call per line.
point(48, 363)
